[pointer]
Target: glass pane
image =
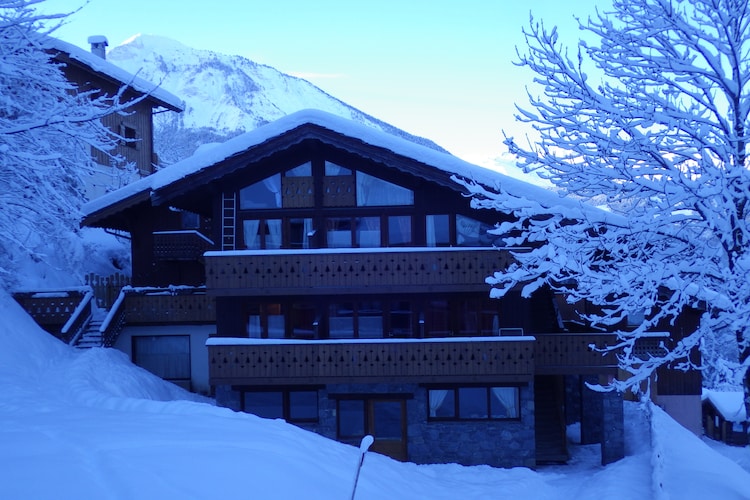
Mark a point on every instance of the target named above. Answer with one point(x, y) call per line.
point(437, 318)
point(387, 419)
point(300, 233)
point(399, 230)
point(273, 234)
point(265, 404)
point(368, 232)
point(263, 194)
point(370, 320)
point(472, 233)
point(504, 402)
point(274, 315)
point(304, 170)
point(303, 320)
point(472, 402)
point(251, 234)
point(331, 169)
point(374, 192)
point(442, 403)
point(339, 232)
point(401, 319)
point(341, 321)
point(351, 418)
point(438, 230)
point(303, 405)
point(468, 318)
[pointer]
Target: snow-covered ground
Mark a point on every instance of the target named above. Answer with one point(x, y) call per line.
point(88, 424)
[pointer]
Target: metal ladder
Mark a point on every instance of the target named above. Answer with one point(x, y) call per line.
point(229, 216)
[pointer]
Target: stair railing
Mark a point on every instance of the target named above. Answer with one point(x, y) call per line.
point(114, 322)
point(75, 326)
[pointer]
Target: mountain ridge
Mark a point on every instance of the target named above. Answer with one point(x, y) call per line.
point(225, 95)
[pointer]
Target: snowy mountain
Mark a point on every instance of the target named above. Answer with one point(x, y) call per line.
point(225, 95)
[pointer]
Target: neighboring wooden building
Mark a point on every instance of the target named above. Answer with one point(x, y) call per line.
point(90, 71)
point(724, 417)
point(347, 271)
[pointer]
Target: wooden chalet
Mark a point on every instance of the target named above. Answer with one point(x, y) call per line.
point(335, 278)
point(90, 71)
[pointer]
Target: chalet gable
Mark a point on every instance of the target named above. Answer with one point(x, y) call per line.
point(186, 182)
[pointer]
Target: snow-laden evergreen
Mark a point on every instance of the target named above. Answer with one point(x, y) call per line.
point(651, 121)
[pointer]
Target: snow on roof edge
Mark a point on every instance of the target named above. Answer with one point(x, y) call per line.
point(344, 126)
point(729, 404)
point(105, 67)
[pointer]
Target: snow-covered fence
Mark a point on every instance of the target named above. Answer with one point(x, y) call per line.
point(106, 288)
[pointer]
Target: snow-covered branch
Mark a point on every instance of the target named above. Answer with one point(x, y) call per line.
point(651, 124)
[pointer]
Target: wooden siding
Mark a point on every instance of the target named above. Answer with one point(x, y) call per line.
point(155, 308)
point(52, 310)
point(310, 273)
point(571, 353)
point(270, 363)
point(180, 245)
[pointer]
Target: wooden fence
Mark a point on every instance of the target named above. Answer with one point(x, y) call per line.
point(106, 288)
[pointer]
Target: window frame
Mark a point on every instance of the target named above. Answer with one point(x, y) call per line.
point(456, 390)
point(286, 400)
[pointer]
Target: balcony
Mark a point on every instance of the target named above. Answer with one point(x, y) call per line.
point(180, 245)
point(574, 353)
point(168, 305)
point(238, 361)
point(349, 271)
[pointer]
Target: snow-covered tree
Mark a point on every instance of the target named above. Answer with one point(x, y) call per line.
point(650, 117)
point(47, 130)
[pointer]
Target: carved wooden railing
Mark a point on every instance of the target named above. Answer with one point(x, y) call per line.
point(562, 353)
point(180, 245)
point(60, 312)
point(170, 305)
point(347, 271)
point(148, 305)
point(259, 362)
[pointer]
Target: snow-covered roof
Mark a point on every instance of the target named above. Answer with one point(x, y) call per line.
point(104, 67)
point(729, 404)
point(208, 157)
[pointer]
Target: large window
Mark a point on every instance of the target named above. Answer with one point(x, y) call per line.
point(263, 194)
point(375, 192)
point(266, 321)
point(438, 232)
point(367, 231)
point(167, 356)
point(355, 320)
point(291, 405)
point(472, 233)
point(262, 233)
point(474, 403)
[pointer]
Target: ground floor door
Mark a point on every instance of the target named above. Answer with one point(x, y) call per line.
point(382, 418)
point(549, 419)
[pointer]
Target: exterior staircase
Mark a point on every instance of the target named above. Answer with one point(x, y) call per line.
point(91, 336)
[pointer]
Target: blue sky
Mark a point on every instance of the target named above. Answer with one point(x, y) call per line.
point(436, 68)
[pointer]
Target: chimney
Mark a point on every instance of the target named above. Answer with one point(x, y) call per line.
point(98, 45)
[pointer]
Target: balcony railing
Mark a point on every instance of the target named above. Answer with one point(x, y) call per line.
point(235, 361)
point(180, 245)
point(302, 272)
point(168, 305)
point(561, 353)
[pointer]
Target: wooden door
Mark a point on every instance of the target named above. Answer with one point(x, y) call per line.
point(386, 422)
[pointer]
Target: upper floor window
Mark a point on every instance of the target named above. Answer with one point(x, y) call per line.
point(263, 194)
point(438, 230)
point(472, 233)
point(375, 192)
